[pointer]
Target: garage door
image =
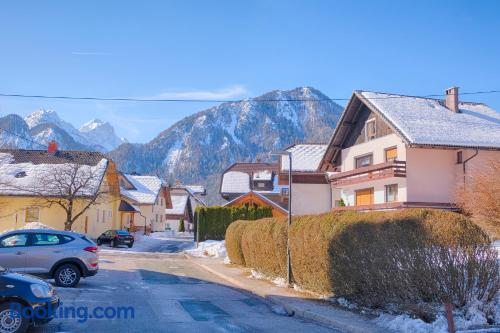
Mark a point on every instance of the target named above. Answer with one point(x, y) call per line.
point(364, 197)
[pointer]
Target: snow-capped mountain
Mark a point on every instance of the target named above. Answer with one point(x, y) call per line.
point(45, 125)
point(12, 129)
point(197, 148)
point(101, 133)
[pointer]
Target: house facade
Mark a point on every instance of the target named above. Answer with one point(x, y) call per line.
point(145, 199)
point(30, 179)
point(392, 151)
point(185, 200)
point(311, 191)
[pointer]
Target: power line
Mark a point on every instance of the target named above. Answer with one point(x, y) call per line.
point(194, 100)
point(23, 137)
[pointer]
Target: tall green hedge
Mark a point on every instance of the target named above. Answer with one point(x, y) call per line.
point(214, 221)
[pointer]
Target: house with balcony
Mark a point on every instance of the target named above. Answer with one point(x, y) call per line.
point(392, 151)
point(185, 200)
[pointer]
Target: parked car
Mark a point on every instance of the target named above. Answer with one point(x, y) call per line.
point(64, 256)
point(24, 301)
point(115, 238)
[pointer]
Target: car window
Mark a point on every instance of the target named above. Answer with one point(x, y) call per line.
point(45, 239)
point(122, 233)
point(65, 239)
point(15, 240)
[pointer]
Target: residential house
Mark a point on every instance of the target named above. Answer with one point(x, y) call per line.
point(254, 184)
point(32, 180)
point(393, 151)
point(311, 191)
point(185, 199)
point(144, 200)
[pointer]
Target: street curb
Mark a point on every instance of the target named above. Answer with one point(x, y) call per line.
point(344, 326)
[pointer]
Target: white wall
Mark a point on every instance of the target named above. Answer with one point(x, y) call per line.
point(433, 174)
point(376, 147)
point(311, 198)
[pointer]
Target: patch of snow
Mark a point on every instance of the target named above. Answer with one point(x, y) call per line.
point(35, 225)
point(305, 157)
point(278, 281)
point(173, 156)
point(209, 248)
point(406, 324)
point(6, 158)
point(146, 188)
point(235, 182)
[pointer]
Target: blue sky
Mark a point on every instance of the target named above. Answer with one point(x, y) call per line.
point(235, 49)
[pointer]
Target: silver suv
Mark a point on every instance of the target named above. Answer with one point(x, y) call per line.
point(61, 255)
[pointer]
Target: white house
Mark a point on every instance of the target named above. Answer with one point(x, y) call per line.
point(393, 151)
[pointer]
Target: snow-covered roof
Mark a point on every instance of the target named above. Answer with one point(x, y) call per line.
point(263, 175)
point(46, 175)
point(179, 202)
point(305, 157)
point(146, 189)
point(196, 189)
point(426, 121)
point(235, 182)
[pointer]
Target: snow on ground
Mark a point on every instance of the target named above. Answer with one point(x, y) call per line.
point(279, 281)
point(209, 248)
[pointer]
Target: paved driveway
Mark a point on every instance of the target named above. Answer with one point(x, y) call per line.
point(167, 294)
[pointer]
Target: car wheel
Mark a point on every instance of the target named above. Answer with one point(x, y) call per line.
point(12, 318)
point(130, 245)
point(113, 243)
point(67, 275)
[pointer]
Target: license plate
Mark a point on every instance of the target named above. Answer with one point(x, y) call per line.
point(127, 242)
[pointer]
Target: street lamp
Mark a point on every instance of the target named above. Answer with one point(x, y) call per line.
point(288, 261)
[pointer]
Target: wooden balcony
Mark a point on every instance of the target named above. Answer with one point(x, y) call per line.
point(397, 205)
point(368, 173)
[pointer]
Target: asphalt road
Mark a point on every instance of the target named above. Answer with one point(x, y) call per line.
point(164, 292)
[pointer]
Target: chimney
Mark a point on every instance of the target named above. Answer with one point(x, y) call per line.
point(451, 99)
point(52, 148)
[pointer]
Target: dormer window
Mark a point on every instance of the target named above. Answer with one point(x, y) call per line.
point(261, 185)
point(371, 129)
point(20, 174)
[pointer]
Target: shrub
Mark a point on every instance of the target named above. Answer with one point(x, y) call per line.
point(234, 234)
point(263, 244)
point(410, 257)
point(181, 226)
point(214, 221)
point(404, 258)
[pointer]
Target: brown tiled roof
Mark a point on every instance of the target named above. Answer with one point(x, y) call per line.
point(253, 167)
point(59, 157)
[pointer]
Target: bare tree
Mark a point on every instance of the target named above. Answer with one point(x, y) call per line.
point(480, 197)
point(73, 187)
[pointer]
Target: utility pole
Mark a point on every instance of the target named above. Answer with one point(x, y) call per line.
point(288, 258)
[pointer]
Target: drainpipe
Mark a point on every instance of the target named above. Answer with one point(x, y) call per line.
point(467, 160)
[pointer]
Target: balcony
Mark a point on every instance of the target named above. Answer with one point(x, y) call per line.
point(368, 173)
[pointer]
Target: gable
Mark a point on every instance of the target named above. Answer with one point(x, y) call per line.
point(358, 133)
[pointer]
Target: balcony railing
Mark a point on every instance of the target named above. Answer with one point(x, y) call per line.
point(368, 173)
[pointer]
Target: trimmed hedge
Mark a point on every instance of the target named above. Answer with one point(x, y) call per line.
point(213, 221)
point(404, 257)
point(234, 233)
point(263, 244)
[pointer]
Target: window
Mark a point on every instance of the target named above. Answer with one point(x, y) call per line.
point(391, 193)
point(371, 129)
point(98, 212)
point(103, 216)
point(284, 192)
point(391, 154)
point(156, 218)
point(14, 240)
point(460, 157)
point(261, 185)
point(32, 214)
point(46, 239)
point(161, 201)
point(363, 161)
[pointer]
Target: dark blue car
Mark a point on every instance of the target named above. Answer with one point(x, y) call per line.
point(25, 300)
